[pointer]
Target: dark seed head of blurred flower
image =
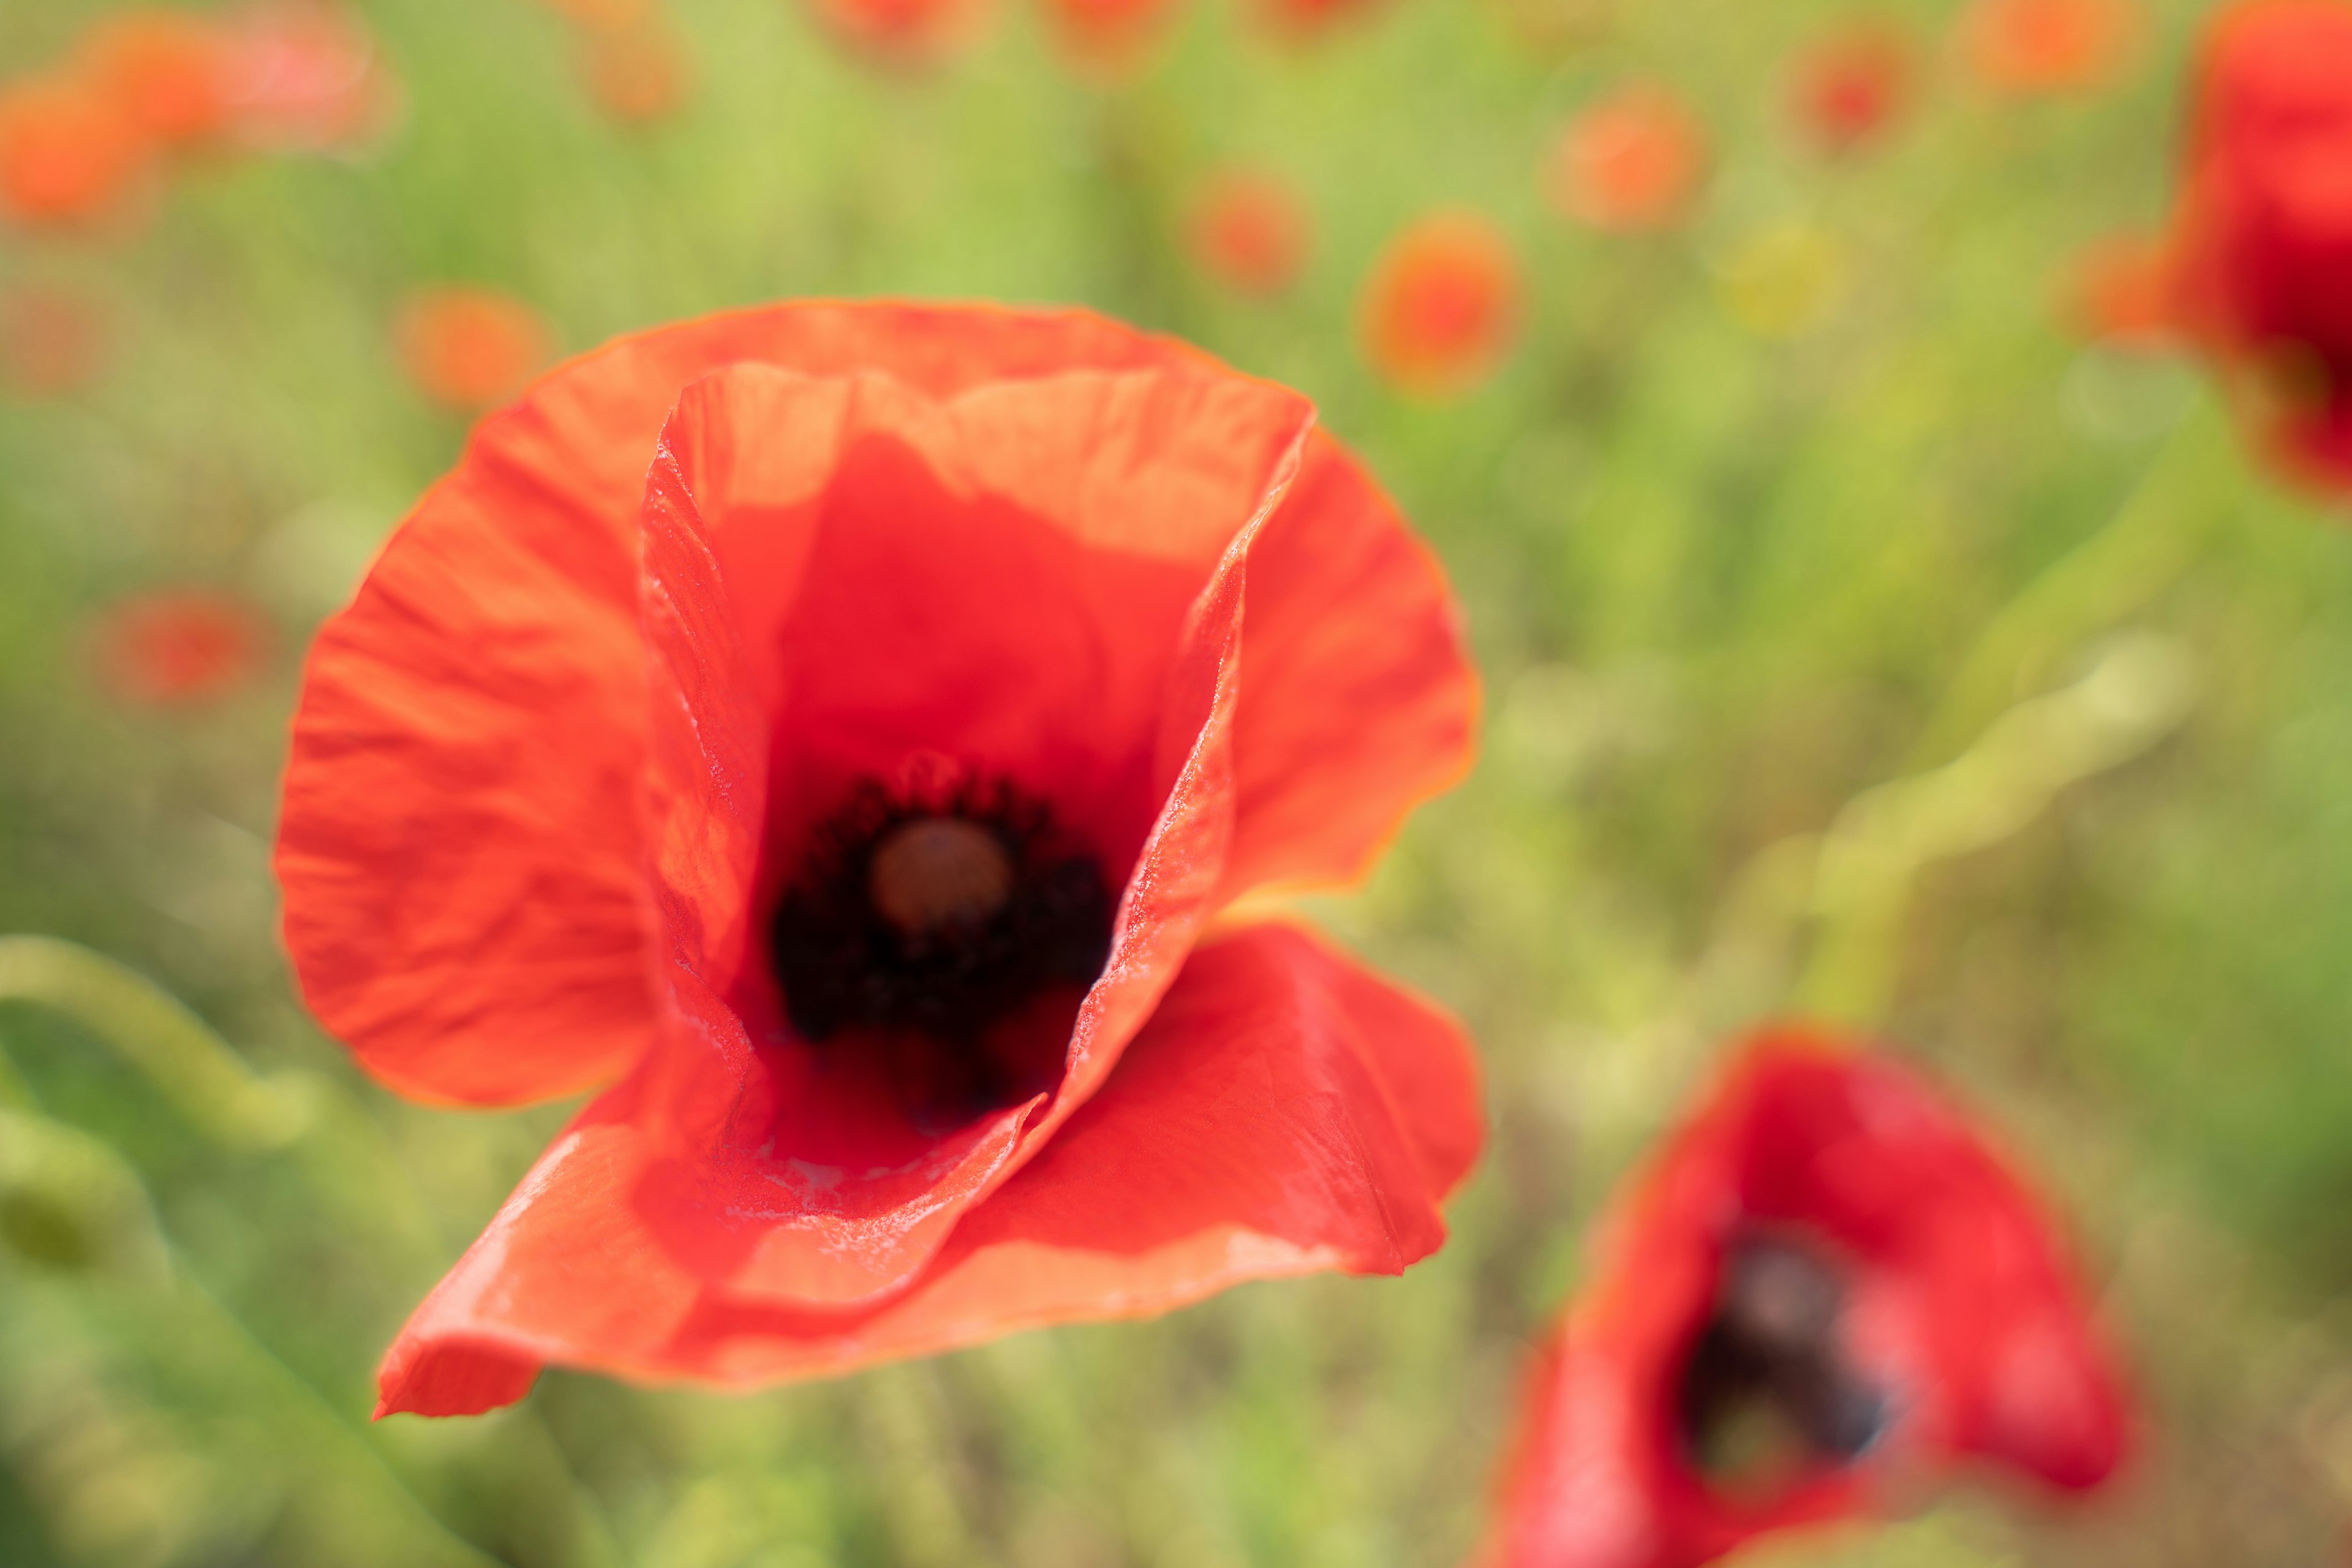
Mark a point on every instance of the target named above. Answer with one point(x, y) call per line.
point(1852, 86)
point(469, 349)
point(177, 647)
point(1825, 1293)
point(1632, 162)
point(2261, 233)
point(848, 800)
point(2040, 47)
point(1440, 307)
point(1249, 230)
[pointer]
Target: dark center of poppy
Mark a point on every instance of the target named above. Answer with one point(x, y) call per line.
point(1769, 1391)
point(920, 925)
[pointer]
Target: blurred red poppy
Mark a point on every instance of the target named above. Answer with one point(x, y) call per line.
point(1632, 160)
point(1852, 86)
point(857, 791)
point(305, 76)
point(168, 71)
point(2047, 45)
point(1248, 229)
point(468, 349)
point(1825, 1291)
point(68, 152)
point(1108, 36)
point(51, 341)
point(2264, 227)
point(605, 16)
point(2121, 293)
point(903, 32)
point(1441, 306)
point(1308, 19)
point(178, 647)
point(636, 72)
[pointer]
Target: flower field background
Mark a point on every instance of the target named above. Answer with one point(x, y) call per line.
point(1871, 632)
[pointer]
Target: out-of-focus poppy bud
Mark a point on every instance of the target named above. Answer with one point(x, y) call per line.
point(168, 71)
point(1248, 229)
point(1631, 161)
point(636, 73)
point(1441, 306)
point(68, 153)
point(1825, 1292)
point(906, 32)
point(305, 76)
point(1108, 37)
point(471, 349)
point(2262, 235)
point(1852, 86)
point(2120, 292)
point(178, 647)
point(51, 341)
point(2047, 45)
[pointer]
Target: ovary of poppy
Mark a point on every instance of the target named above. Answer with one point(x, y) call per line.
point(468, 348)
point(68, 152)
point(1441, 305)
point(1249, 230)
point(2263, 229)
point(1850, 87)
point(52, 341)
point(1631, 161)
point(2120, 291)
point(177, 647)
point(2040, 46)
point(635, 73)
point(1826, 1255)
point(168, 71)
point(903, 33)
point(305, 76)
point(849, 800)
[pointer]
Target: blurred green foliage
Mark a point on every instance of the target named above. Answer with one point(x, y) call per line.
point(1765, 513)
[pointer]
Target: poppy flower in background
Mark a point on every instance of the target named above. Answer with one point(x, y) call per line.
point(168, 71)
point(1631, 161)
point(603, 15)
point(906, 33)
point(2040, 46)
point(471, 349)
point(2121, 293)
point(2263, 230)
point(1304, 19)
point(636, 73)
point(1825, 1291)
point(1249, 230)
point(305, 76)
point(1852, 86)
point(1441, 306)
point(52, 341)
point(178, 647)
point(851, 799)
point(1111, 37)
point(68, 152)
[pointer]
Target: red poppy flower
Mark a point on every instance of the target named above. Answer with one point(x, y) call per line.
point(1108, 36)
point(605, 16)
point(469, 349)
point(1301, 19)
point(2121, 293)
point(1441, 305)
point(2263, 228)
point(636, 73)
point(1852, 85)
point(2047, 45)
point(1249, 231)
point(177, 647)
point(1631, 161)
point(903, 32)
point(51, 341)
point(857, 792)
point(167, 70)
point(305, 76)
point(1825, 1291)
point(68, 153)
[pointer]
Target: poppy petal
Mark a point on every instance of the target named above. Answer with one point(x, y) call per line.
point(1284, 1112)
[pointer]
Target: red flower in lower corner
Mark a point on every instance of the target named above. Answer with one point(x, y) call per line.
point(2262, 237)
point(855, 797)
point(1826, 1291)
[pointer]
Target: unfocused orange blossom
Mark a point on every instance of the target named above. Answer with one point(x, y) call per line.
point(1852, 86)
point(1442, 304)
point(471, 349)
point(67, 151)
point(168, 71)
point(902, 32)
point(305, 76)
point(636, 73)
point(1249, 231)
point(177, 647)
point(2047, 45)
point(1631, 161)
point(2120, 291)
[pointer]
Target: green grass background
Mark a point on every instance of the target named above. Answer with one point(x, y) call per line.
point(1728, 568)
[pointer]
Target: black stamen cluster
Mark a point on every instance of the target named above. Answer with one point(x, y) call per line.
point(843, 965)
